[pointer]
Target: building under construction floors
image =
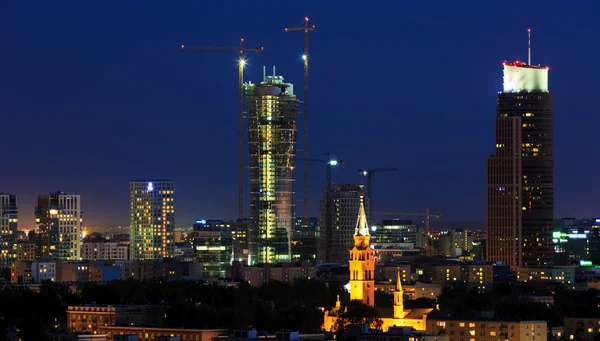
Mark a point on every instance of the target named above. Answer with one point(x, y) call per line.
point(272, 123)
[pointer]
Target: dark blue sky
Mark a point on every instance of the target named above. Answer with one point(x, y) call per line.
point(93, 94)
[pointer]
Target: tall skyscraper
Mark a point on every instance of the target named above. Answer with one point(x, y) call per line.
point(151, 219)
point(272, 118)
point(8, 228)
point(59, 223)
point(520, 176)
point(345, 202)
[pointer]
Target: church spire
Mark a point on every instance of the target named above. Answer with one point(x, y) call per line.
point(398, 299)
point(362, 227)
point(398, 282)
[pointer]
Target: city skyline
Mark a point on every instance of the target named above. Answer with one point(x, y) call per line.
point(103, 96)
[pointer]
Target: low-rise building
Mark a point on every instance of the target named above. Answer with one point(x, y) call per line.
point(257, 275)
point(104, 251)
point(88, 318)
point(560, 274)
point(151, 333)
point(471, 329)
point(581, 328)
point(20, 272)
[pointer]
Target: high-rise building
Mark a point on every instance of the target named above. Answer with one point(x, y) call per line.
point(272, 118)
point(8, 228)
point(304, 239)
point(59, 224)
point(213, 247)
point(520, 176)
point(345, 202)
point(151, 219)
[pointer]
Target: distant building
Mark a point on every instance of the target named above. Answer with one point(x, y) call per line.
point(152, 333)
point(151, 219)
point(305, 240)
point(454, 242)
point(8, 229)
point(26, 250)
point(20, 272)
point(87, 318)
point(559, 274)
point(581, 328)
point(212, 245)
point(59, 223)
point(272, 125)
point(482, 329)
point(104, 251)
point(258, 275)
point(477, 275)
point(345, 203)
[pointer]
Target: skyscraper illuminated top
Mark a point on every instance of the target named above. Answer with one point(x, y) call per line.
point(520, 176)
point(272, 123)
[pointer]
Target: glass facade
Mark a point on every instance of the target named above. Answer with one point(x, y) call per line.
point(59, 224)
point(213, 247)
point(272, 124)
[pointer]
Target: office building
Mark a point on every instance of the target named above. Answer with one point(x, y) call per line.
point(104, 250)
point(59, 223)
point(26, 250)
point(520, 176)
point(87, 318)
point(272, 123)
point(345, 202)
point(305, 239)
point(398, 231)
point(212, 245)
point(151, 219)
point(455, 242)
point(8, 229)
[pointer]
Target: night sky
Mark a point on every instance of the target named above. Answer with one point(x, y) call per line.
point(96, 93)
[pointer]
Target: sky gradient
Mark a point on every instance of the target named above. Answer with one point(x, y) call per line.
point(94, 94)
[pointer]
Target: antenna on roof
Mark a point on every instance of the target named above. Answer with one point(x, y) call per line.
point(528, 46)
point(273, 70)
point(264, 73)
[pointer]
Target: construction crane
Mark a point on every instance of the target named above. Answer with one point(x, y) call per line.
point(369, 173)
point(304, 27)
point(427, 215)
point(241, 63)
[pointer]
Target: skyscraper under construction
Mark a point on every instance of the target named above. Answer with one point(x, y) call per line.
point(272, 123)
point(520, 176)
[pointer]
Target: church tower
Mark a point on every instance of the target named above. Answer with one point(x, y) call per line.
point(398, 299)
point(362, 262)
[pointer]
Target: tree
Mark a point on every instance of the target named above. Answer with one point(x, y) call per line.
point(358, 313)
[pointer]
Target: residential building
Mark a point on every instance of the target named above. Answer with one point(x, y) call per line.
point(43, 270)
point(272, 124)
point(455, 242)
point(151, 219)
point(345, 202)
point(520, 176)
point(105, 250)
point(581, 328)
point(488, 330)
point(559, 274)
point(59, 223)
point(390, 272)
point(283, 272)
point(20, 272)
point(8, 229)
point(26, 250)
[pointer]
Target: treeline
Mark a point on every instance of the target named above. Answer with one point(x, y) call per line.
point(505, 301)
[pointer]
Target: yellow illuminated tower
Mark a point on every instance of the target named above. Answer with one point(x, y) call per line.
point(398, 299)
point(362, 262)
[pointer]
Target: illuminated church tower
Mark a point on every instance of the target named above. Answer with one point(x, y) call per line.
point(398, 299)
point(362, 262)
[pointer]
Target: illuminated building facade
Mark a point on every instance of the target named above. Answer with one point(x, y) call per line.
point(520, 176)
point(59, 223)
point(272, 123)
point(213, 247)
point(345, 202)
point(362, 284)
point(304, 240)
point(151, 219)
point(8, 229)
